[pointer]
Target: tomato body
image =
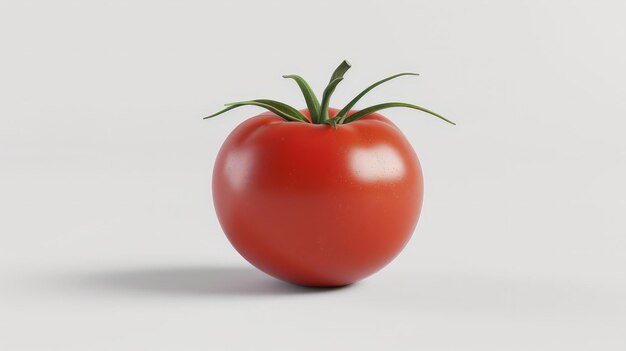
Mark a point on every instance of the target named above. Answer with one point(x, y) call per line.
point(317, 206)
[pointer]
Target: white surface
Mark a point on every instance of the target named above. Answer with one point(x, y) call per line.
point(108, 239)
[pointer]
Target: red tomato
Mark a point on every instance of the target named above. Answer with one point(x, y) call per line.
point(314, 205)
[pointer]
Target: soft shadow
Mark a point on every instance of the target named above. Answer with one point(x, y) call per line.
point(199, 281)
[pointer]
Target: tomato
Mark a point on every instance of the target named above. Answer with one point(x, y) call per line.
point(314, 205)
point(318, 197)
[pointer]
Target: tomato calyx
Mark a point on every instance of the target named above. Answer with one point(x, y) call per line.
point(319, 111)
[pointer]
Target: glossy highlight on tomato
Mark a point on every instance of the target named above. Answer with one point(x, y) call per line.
point(318, 197)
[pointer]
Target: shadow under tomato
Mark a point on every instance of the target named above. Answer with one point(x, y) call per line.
point(191, 280)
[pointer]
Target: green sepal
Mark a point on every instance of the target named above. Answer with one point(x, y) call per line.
point(319, 111)
point(220, 112)
point(282, 110)
point(366, 111)
point(282, 106)
point(312, 102)
point(344, 111)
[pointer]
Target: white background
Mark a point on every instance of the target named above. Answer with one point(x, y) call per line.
point(108, 237)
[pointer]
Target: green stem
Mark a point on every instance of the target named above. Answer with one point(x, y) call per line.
point(339, 72)
point(326, 99)
point(335, 79)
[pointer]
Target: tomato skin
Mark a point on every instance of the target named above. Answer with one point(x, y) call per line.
point(317, 206)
